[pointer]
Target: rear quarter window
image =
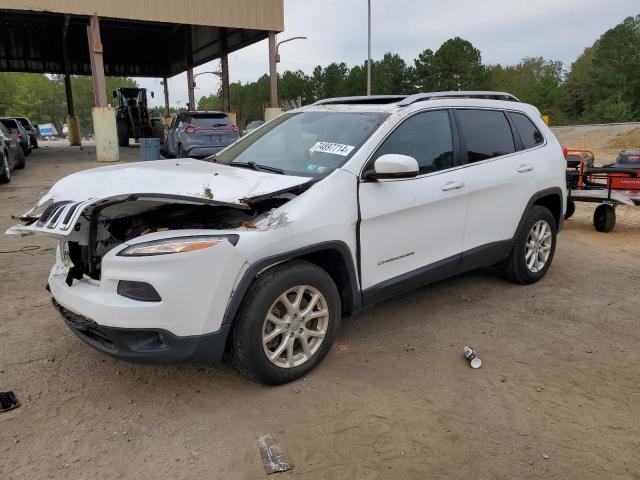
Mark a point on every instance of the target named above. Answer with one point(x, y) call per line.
point(529, 133)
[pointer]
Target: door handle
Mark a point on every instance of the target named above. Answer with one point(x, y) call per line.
point(453, 185)
point(525, 168)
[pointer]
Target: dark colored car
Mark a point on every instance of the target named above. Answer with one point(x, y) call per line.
point(16, 128)
point(251, 126)
point(11, 154)
point(31, 129)
point(199, 134)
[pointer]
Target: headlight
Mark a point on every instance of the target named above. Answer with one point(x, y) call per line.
point(176, 245)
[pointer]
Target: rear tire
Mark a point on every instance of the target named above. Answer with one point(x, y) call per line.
point(22, 161)
point(5, 168)
point(533, 248)
point(604, 218)
point(123, 133)
point(274, 342)
point(571, 209)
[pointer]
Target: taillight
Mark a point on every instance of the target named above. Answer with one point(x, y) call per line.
point(565, 151)
point(235, 128)
point(18, 133)
point(191, 129)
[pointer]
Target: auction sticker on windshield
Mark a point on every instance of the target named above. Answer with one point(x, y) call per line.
point(334, 148)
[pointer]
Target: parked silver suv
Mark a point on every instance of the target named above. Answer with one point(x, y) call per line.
point(199, 134)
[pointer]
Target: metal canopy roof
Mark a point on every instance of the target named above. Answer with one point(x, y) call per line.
point(32, 40)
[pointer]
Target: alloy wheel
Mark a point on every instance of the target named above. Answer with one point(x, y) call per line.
point(538, 248)
point(295, 326)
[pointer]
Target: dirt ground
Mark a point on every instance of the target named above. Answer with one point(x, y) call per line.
point(557, 396)
point(605, 141)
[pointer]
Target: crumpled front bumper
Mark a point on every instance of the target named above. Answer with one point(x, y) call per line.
point(147, 345)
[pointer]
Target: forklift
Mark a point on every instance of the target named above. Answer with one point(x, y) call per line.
point(132, 115)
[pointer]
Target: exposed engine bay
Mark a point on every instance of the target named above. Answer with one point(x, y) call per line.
point(103, 228)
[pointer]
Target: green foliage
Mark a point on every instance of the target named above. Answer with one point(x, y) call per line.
point(456, 65)
point(612, 111)
point(42, 98)
point(533, 80)
point(604, 81)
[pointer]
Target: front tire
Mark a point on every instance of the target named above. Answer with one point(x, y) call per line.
point(571, 209)
point(533, 248)
point(5, 168)
point(22, 161)
point(122, 128)
point(286, 323)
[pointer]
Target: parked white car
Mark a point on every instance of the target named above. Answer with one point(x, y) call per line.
point(319, 213)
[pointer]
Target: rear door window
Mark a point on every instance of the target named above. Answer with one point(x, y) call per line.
point(529, 133)
point(487, 134)
point(213, 120)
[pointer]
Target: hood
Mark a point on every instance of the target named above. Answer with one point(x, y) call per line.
point(186, 180)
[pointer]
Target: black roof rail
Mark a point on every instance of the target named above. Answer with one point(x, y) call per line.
point(488, 95)
point(362, 100)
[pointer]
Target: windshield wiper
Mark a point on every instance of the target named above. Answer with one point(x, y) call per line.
point(256, 166)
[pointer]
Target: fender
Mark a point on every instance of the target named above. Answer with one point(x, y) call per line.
point(255, 269)
point(557, 191)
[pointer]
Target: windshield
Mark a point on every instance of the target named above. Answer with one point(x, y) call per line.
point(311, 144)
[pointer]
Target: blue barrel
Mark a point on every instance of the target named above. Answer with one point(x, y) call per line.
point(149, 149)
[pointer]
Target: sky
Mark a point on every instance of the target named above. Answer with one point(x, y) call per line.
point(505, 31)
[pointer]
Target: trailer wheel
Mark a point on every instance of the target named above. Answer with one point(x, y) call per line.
point(123, 133)
point(604, 218)
point(571, 209)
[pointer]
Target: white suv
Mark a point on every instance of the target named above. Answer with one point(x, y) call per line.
point(313, 216)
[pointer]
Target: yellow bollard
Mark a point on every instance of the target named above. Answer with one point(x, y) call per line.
point(104, 128)
point(74, 131)
point(546, 119)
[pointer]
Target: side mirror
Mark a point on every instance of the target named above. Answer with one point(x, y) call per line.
point(115, 94)
point(393, 166)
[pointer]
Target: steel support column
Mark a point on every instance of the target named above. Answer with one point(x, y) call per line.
point(97, 63)
point(273, 72)
point(224, 67)
point(226, 103)
point(192, 97)
point(165, 84)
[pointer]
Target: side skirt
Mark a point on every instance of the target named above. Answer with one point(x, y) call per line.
point(479, 257)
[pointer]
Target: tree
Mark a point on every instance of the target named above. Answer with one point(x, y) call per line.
point(456, 65)
point(533, 80)
point(423, 71)
point(604, 80)
point(391, 75)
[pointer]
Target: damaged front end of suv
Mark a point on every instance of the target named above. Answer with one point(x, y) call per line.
point(115, 231)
